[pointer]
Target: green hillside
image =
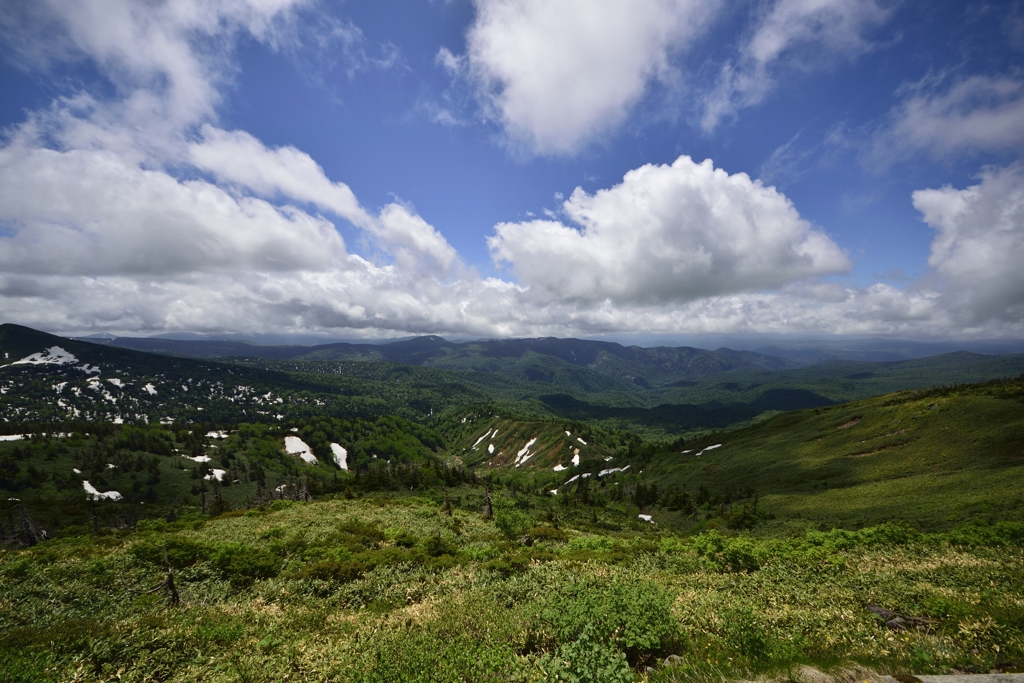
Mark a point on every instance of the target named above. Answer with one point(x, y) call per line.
point(432, 556)
point(931, 458)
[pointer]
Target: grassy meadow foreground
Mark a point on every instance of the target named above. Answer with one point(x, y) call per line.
point(383, 589)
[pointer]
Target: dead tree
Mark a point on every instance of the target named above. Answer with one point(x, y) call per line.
point(168, 584)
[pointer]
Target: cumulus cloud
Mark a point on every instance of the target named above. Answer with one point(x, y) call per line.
point(794, 35)
point(133, 212)
point(90, 212)
point(238, 158)
point(556, 75)
point(975, 114)
point(666, 234)
point(979, 244)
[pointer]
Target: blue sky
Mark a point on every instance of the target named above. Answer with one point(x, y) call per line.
point(513, 167)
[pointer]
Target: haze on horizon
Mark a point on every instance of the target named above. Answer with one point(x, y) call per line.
point(676, 169)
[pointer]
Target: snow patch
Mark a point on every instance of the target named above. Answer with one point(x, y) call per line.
point(296, 446)
point(710, 448)
point(216, 474)
point(576, 458)
point(116, 382)
point(481, 439)
point(560, 468)
point(525, 453)
point(93, 494)
point(490, 448)
point(340, 456)
point(646, 518)
point(198, 458)
point(12, 437)
point(217, 435)
point(581, 441)
point(150, 388)
point(76, 470)
point(612, 470)
point(54, 355)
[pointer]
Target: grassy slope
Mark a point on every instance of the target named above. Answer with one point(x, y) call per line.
point(274, 595)
point(932, 459)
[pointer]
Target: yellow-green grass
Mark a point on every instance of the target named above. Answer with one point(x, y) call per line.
point(492, 609)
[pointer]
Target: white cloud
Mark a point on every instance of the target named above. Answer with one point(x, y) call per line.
point(979, 245)
point(794, 34)
point(136, 213)
point(238, 158)
point(91, 212)
point(556, 75)
point(668, 234)
point(976, 114)
point(174, 50)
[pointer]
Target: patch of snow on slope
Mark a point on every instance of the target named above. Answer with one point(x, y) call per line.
point(54, 355)
point(525, 453)
point(490, 448)
point(560, 468)
point(340, 456)
point(87, 370)
point(581, 441)
point(576, 458)
point(646, 518)
point(12, 437)
point(93, 494)
point(481, 439)
point(198, 458)
point(217, 435)
point(76, 470)
point(116, 382)
point(296, 446)
point(612, 470)
point(216, 474)
point(150, 388)
point(568, 433)
point(710, 448)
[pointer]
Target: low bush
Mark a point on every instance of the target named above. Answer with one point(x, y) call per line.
point(242, 564)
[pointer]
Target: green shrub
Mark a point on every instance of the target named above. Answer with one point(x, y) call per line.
point(632, 616)
point(585, 661)
point(728, 554)
point(507, 565)
point(511, 522)
point(242, 564)
point(332, 570)
point(438, 545)
point(181, 552)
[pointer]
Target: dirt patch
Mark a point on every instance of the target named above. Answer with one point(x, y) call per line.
point(809, 674)
point(847, 425)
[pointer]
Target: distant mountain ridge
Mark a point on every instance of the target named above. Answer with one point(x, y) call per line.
point(639, 365)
